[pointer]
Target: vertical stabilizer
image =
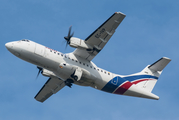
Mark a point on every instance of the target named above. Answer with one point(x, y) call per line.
point(146, 79)
point(154, 69)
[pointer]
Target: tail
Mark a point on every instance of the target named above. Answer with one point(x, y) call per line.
point(146, 79)
point(154, 69)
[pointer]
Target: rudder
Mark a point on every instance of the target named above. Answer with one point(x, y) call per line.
point(154, 69)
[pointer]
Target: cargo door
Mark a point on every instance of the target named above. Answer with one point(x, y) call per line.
point(39, 49)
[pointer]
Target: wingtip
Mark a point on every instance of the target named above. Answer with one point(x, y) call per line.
point(167, 58)
point(120, 13)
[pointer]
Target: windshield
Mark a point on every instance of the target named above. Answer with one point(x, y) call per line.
point(25, 40)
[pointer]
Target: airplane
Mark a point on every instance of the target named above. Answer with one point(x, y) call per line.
point(77, 67)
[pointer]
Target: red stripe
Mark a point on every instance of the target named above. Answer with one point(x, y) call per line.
point(138, 81)
point(123, 88)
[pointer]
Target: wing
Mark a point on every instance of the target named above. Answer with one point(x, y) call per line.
point(100, 37)
point(52, 86)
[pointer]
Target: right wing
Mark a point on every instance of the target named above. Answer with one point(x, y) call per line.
point(52, 86)
point(100, 36)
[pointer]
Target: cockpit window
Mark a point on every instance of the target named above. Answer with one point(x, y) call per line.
point(25, 40)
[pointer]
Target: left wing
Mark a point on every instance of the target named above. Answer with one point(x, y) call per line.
point(98, 39)
point(52, 86)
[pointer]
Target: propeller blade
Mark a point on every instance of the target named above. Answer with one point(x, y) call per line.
point(72, 34)
point(40, 71)
point(69, 31)
point(66, 45)
point(67, 38)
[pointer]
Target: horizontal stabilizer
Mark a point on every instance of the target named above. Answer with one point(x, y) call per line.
point(160, 64)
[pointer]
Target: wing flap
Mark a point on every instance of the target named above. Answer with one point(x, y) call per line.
point(52, 86)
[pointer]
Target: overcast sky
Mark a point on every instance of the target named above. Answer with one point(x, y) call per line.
point(149, 31)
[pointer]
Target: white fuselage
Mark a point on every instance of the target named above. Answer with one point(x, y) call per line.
point(52, 60)
point(63, 66)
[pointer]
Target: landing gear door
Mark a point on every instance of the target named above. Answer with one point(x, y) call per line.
point(78, 74)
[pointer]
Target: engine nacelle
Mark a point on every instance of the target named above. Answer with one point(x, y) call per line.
point(78, 43)
point(48, 73)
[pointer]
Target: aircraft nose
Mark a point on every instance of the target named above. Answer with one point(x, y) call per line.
point(13, 48)
point(8, 45)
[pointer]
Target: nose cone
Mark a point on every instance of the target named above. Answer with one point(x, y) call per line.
point(8, 45)
point(13, 48)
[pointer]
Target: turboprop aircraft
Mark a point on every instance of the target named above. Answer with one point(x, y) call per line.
point(77, 67)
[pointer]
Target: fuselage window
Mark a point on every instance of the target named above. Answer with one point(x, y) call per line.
point(58, 53)
point(80, 62)
point(98, 69)
point(62, 55)
point(91, 66)
point(108, 73)
point(101, 70)
point(87, 65)
point(72, 59)
point(50, 50)
point(55, 52)
point(105, 72)
point(68, 57)
point(95, 68)
point(83, 63)
point(76, 60)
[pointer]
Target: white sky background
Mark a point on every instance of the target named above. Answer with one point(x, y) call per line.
point(149, 32)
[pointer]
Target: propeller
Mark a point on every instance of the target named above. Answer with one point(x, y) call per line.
point(40, 71)
point(67, 38)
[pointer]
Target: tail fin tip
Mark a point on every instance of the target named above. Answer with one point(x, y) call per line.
point(160, 64)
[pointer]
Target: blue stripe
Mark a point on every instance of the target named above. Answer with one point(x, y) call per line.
point(117, 81)
point(113, 84)
point(136, 77)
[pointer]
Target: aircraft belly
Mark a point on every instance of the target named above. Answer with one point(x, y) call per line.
point(138, 92)
point(83, 82)
point(102, 80)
